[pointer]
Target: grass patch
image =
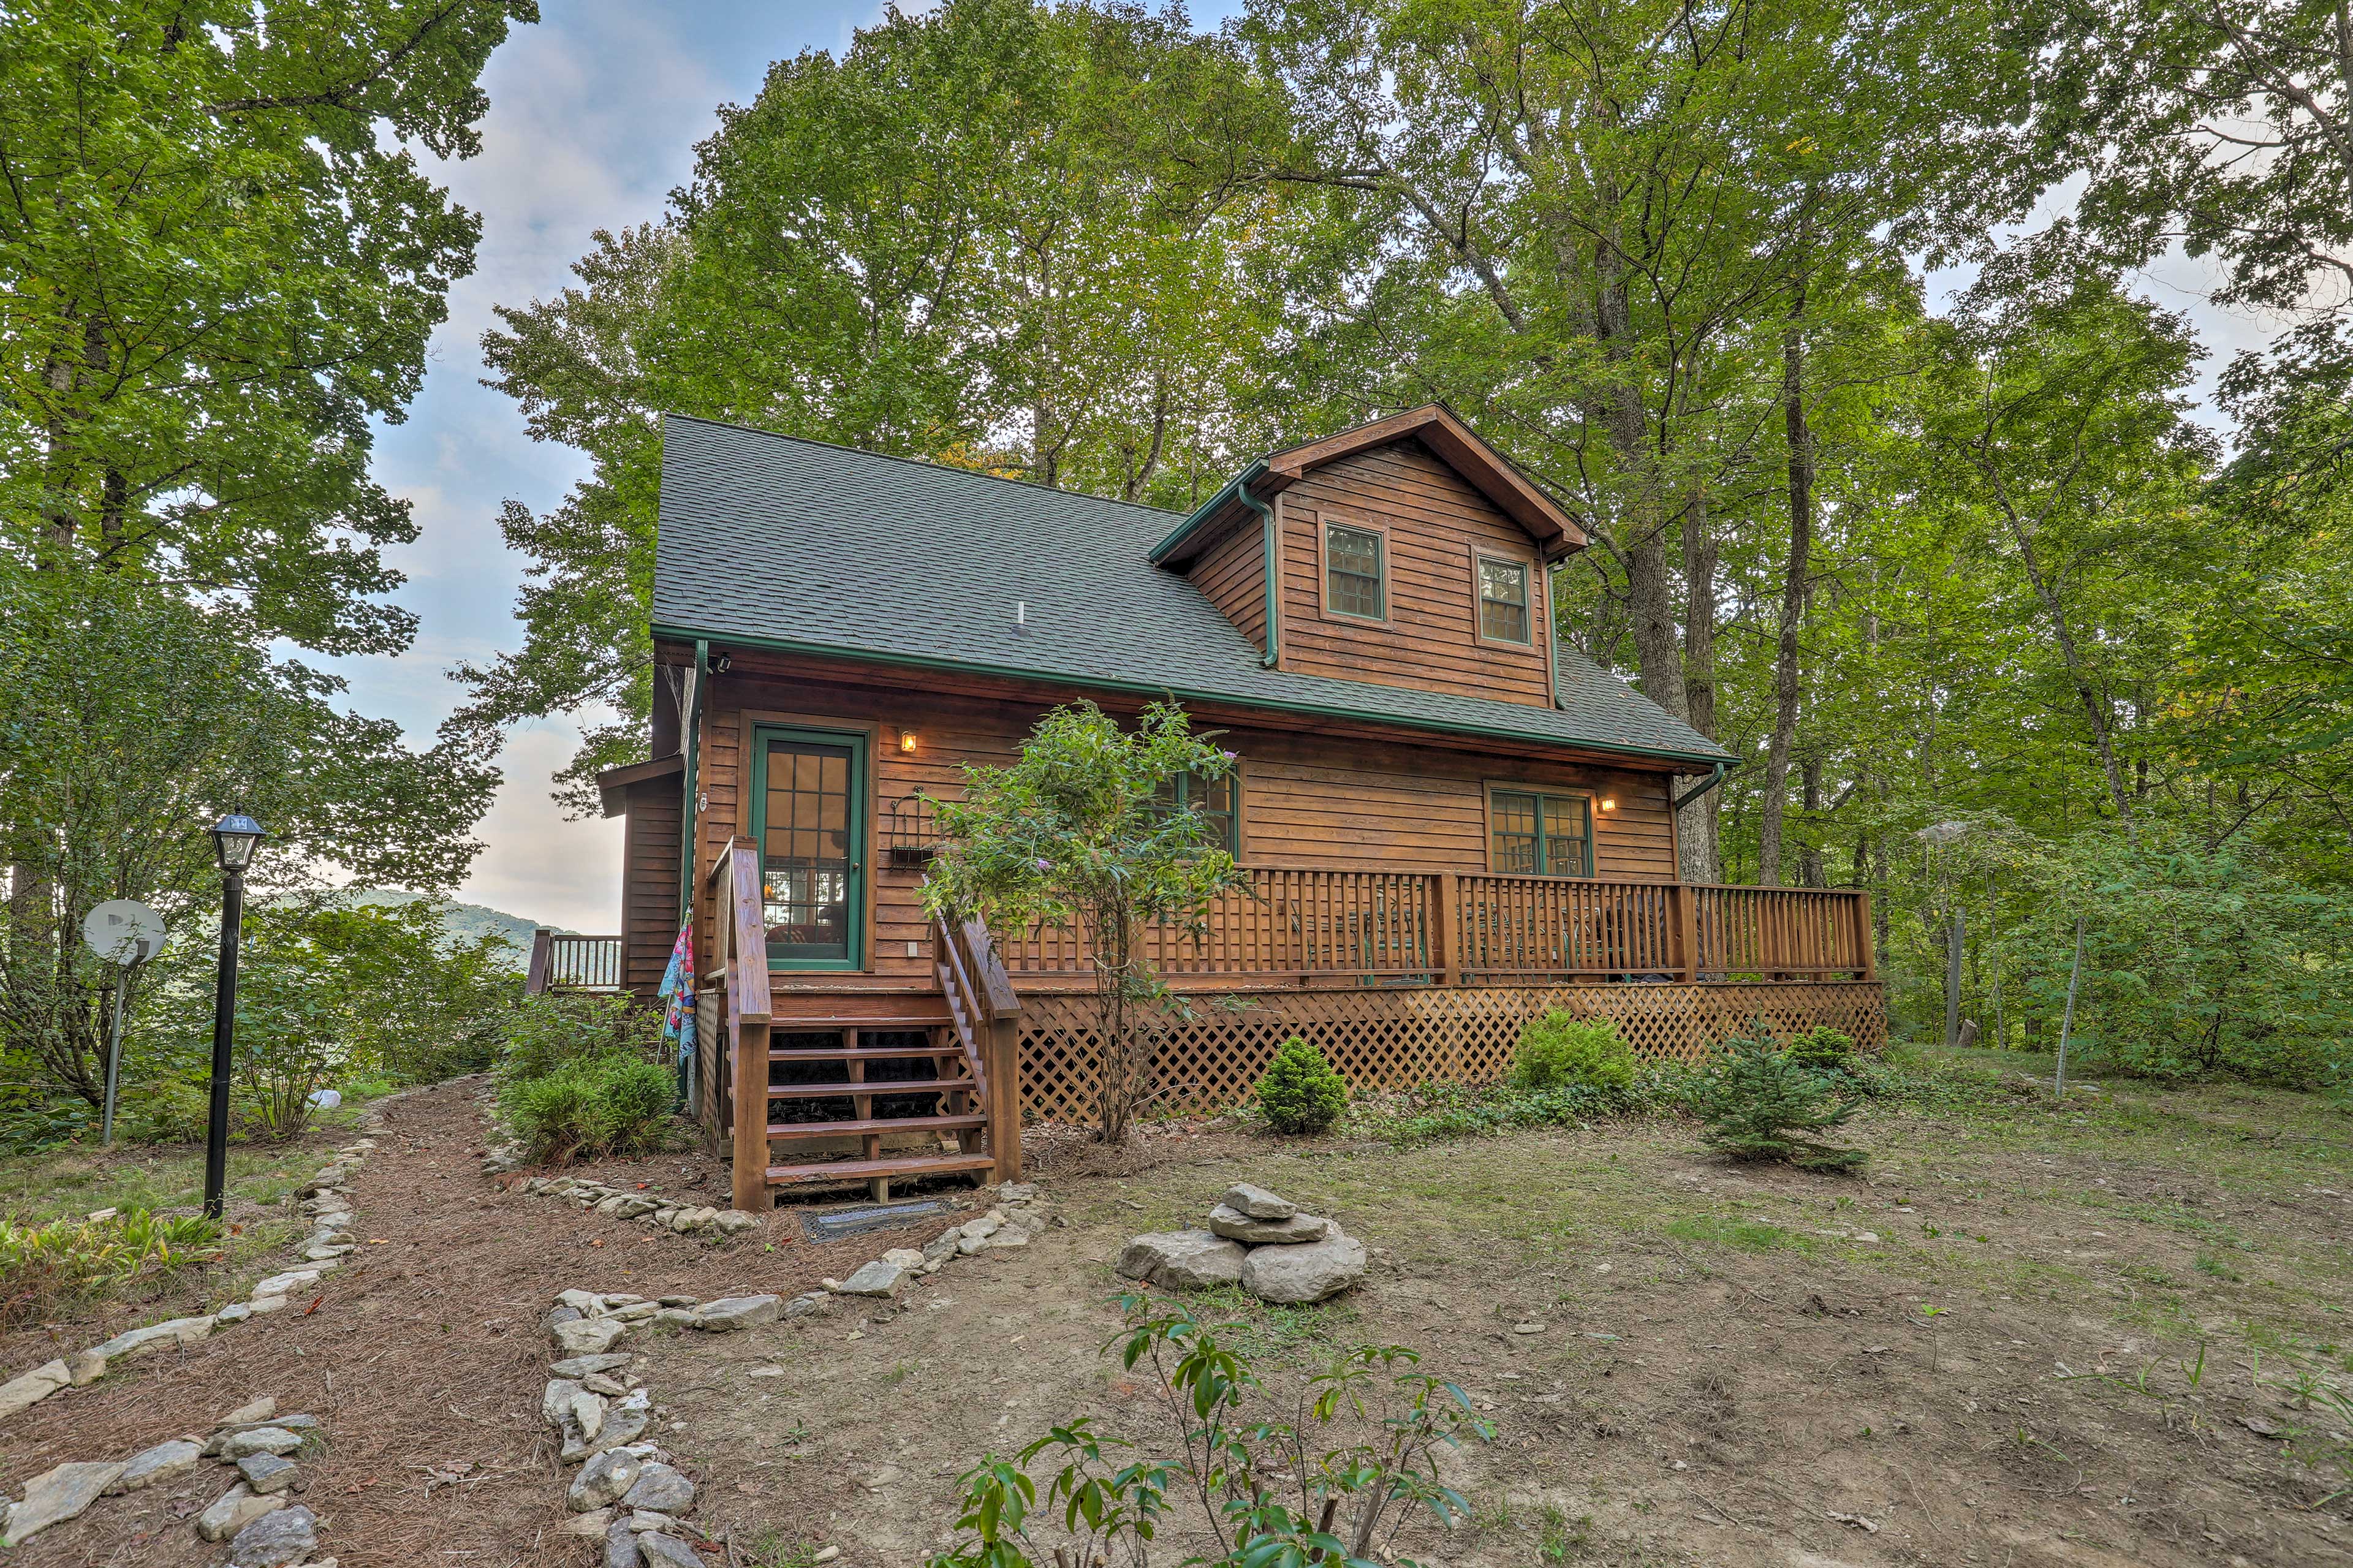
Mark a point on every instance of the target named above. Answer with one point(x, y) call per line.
point(68, 1183)
point(1748, 1235)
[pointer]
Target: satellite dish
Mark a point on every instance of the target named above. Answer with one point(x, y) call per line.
point(123, 931)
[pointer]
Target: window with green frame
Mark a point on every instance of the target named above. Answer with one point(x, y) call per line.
point(1219, 803)
point(1539, 833)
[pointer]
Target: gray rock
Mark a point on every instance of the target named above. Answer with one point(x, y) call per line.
point(235, 1312)
point(876, 1278)
point(1016, 1192)
point(592, 1523)
point(971, 1246)
point(735, 1221)
point(667, 1551)
point(1308, 1273)
point(581, 1365)
point(251, 1414)
point(674, 1318)
point(611, 1387)
point(1236, 1226)
point(216, 1446)
point(620, 1545)
point(733, 1313)
point(985, 1226)
point(587, 1412)
point(603, 1479)
point(626, 1420)
point(235, 1508)
point(906, 1257)
point(1257, 1203)
point(266, 1473)
point(941, 1247)
point(260, 1441)
point(585, 1303)
point(276, 1540)
point(283, 1284)
point(154, 1336)
point(1006, 1238)
point(661, 1488)
point(56, 1496)
point(1182, 1260)
point(806, 1304)
point(587, 1336)
point(33, 1387)
point(160, 1463)
point(643, 1520)
point(555, 1399)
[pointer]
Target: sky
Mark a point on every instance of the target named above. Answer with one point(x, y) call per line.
point(593, 121)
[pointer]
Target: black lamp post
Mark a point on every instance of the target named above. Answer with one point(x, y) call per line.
point(234, 837)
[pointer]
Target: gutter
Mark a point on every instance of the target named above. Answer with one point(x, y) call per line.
point(690, 747)
point(1161, 689)
point(1209, 509)
point(1272, 582)
point(1700, 789)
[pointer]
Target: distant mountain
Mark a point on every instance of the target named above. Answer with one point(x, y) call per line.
point(461, 923)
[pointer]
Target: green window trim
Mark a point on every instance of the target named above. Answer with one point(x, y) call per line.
point(1503, 594)
point(821, 891)
point(1539, 832)
point(1356, 571)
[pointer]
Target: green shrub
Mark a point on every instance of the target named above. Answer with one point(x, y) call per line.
point(1822, 1049)
point(1300, 1093)
point(555, 1027)
point(1559, 1050)
point(47, 1268)
point(1760, 1105)
point(589, 1106)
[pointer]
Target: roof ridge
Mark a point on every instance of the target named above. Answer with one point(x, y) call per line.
point(918, 462)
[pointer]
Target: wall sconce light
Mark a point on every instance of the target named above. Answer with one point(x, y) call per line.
point(1608, 802)
point(906, 740)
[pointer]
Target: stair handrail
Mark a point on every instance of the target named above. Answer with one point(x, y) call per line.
point(741, 943)
point(979, 989)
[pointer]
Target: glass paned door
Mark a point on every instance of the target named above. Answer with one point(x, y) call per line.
point(809, 802)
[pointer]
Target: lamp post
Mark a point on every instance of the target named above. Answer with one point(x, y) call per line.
point(234, 838)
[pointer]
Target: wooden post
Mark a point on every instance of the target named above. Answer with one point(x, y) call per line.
point(1445, 929)
point(543, 942)
point(749, 940)
point(1004, 1044)
point(1686, 901)
point(1865, 944)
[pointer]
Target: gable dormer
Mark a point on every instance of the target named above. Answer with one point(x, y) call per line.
point(1403, 552)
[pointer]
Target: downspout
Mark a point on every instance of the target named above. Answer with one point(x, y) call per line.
point(1551, 634)
point(1700, 789)
point(690, 747)
point(1273, 577)
point(690, 750)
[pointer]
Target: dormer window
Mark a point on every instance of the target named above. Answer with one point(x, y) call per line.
point(1353, 583)
point(1503, 601)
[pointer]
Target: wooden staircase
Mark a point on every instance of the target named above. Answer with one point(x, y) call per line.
point(869, 1068)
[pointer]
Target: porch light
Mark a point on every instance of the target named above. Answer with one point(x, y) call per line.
point(906, 740)
point(234, 838)
point(1608, 802)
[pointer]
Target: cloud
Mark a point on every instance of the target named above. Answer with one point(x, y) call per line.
point(537, 864)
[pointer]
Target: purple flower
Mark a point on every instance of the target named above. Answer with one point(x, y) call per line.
point(1229, 756)
point(1045, 864)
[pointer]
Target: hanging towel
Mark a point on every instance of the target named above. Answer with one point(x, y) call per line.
point(678, 993)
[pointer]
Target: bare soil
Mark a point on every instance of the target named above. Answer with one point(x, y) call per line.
point(1730, 1364)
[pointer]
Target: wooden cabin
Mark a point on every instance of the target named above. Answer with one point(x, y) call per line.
point(1450, 821)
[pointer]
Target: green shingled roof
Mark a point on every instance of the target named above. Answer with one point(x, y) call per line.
point(794, 544)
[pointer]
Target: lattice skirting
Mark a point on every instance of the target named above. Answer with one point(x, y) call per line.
point(1389, 1039)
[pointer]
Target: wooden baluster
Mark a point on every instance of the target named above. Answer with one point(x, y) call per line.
point(1685, 900)
point(1444, 928)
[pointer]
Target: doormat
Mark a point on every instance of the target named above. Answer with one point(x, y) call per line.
point(841, 1222)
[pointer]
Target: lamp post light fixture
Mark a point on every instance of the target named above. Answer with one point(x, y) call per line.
point(234, 838)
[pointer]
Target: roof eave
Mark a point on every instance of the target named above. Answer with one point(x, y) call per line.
point(1163, 689)
point(1204, 516)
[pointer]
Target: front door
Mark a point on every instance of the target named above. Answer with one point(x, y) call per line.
point(808, 812)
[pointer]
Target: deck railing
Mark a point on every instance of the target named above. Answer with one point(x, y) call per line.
point(561, 961)
point(1385, 927)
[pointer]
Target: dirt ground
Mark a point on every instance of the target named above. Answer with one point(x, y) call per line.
point(1685, 1362)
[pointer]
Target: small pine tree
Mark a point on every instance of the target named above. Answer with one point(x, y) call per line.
point(1760, 1105)
point(1300, 1093)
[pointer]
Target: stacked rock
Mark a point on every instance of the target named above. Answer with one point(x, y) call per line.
point(627, 1494)
point(662, 1213)
point(1257, 1240)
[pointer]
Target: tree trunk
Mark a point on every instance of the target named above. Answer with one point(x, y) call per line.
point(1699, 831)
point(1793, 592)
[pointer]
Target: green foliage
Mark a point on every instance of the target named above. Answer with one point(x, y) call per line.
point(47, 1269)
point(1558, 1050)
point(590, 1106)
point(1080, 833)
point(1299, 1091)
point(2197, 962)
point(555, 1027)
point(1822, 1049)
point(1760, 1105)
point(1288, 1480)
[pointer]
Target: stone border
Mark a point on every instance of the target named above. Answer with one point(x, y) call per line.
point(628, 1202)
point(327, 1202)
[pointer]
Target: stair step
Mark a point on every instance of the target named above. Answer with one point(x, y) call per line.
point(866, 1170)
point(861, 1052)
point(827, 1022)
point(876, 1086)
point(789, 1130)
